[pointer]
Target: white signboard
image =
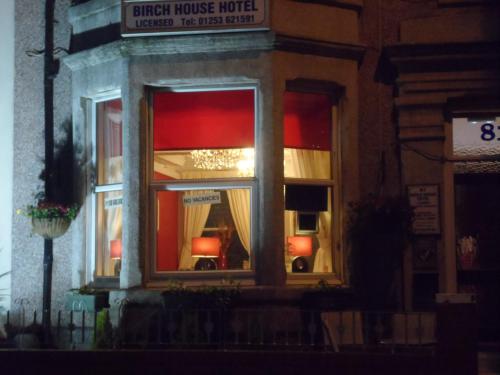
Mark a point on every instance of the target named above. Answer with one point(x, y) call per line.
point(207, 198)
point(113, 202)
point(188, 16)
point(424, 199)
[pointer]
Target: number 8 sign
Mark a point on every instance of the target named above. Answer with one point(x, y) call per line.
point(488, 132)
point(476, 137)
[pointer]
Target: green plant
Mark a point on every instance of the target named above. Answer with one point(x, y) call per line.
point(189, 309)
point(378, 232)
point(47, 210)
point(214, 297)
point(104, 330)
point(87, 290)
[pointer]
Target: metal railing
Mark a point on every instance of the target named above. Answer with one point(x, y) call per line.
point(141, 326)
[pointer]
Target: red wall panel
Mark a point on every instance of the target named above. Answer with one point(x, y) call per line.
point(307, 121)
point(198, 120)
point(167, 241)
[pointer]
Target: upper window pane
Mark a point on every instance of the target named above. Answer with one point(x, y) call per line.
point(307, 135)
point(203, 134)
point(109, 142)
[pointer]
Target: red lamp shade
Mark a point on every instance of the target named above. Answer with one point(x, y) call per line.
point(299, 246)
point(205, 247)
point(115, 248)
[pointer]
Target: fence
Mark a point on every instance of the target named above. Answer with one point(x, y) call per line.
point(146, 326)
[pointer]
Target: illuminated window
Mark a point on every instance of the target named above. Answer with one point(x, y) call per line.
point(309, 183)
point(201, 183)
point(107, 192)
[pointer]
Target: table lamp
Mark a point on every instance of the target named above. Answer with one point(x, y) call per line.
point(299, 247)
point(207, 249)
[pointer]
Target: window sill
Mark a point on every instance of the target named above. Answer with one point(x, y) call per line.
point(106, 283)
point(313, 279)
point(197, 278)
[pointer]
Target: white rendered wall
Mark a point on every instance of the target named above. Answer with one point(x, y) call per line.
point(6, 145)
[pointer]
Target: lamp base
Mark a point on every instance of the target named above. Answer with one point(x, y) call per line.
point(299, 264)
point(205, 264)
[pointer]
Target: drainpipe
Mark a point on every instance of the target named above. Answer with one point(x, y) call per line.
point(50, 71)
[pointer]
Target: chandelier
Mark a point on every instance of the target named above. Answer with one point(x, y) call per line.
point(224, 159)
point(215, 160)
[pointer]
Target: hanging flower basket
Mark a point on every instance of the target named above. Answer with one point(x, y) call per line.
point(50, 220)
point(50, 228)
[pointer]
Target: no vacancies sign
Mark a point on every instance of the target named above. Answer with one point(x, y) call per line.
point(206, 198)
point(188, 16)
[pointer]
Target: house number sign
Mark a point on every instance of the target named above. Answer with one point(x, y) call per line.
point(424, 199)
point(490, 132)
point(476, 137)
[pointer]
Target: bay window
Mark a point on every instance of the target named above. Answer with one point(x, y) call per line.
point(201, 180)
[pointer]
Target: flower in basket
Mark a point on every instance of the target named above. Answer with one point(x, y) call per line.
point(50, 220)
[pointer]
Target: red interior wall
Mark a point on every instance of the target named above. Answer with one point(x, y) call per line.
point(307, 121)
point(197, 120)
point(167, 240)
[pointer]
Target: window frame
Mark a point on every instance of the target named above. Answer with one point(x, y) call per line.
point(336, 276)
point(91, 276)
point(457, 108)
point(158, 278)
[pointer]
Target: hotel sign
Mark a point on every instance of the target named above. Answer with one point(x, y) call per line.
point(192, 16)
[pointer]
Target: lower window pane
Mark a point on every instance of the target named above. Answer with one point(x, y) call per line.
point(203, 230)
point(308, 232)
point(108, 233)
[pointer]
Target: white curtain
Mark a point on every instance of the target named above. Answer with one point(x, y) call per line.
point(323, 258)
point(111, 165)
point(112, 214)
point(307, 164)
point(312, 164)
point(239, 203)
point(114, 231)
point(195, 218)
